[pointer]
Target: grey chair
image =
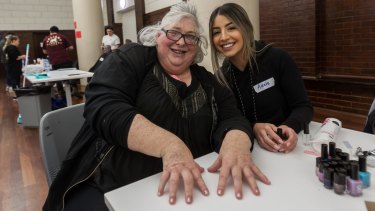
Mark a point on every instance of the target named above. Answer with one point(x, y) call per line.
point(56, 132)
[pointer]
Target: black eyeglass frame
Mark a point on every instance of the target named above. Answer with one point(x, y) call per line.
point(192, 39)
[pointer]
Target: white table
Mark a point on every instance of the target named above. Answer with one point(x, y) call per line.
point(294, 185)
point(61, 75)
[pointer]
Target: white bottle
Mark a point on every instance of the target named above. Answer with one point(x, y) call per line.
point(46, 65)
point(327, 132)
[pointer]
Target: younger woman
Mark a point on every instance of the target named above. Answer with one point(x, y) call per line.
point(265, 80)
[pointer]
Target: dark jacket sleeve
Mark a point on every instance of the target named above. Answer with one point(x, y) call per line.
point(111, 93)
point(301, 110)
point(229, 116)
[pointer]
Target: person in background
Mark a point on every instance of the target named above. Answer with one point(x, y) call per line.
point(370, 121)
point(4, 60)
point(56, 46)
point(107, 50)
point(265, 80)
point(14, 60)
point(110, 39)
point(150, 108)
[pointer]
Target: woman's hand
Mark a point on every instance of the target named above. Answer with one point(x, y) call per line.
point(235, 160)
point(178, 163)
point(290, 139)
point(267, 137)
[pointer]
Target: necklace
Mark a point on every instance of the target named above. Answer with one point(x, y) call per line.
point(243, 109)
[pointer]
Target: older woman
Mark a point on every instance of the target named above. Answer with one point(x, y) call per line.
point(152, 109)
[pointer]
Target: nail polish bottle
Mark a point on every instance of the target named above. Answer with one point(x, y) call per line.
point(344, 156)
point(332, 152)
point(306, 134)
point(328, 178)
point(338, 151)
point(364, 175)
point(339, 183)
point(279, 132)
point(322, 166)
point(324, 152)
point(317, 163)
point(353, 184)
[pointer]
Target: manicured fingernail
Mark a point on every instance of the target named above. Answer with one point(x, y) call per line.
point(189, 199)
point(239, 195)
point(171, 200)
point(256, 191)
point(205, 192)
point(159, 193)
point(220, 192)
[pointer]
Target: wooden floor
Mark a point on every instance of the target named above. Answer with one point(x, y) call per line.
point(23, 184)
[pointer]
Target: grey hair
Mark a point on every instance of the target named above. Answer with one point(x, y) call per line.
point(147, 35)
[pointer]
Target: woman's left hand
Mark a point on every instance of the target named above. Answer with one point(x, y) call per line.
point(235, 160)
point(290, 139)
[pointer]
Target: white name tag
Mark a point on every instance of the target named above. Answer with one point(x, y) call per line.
point(264, 85)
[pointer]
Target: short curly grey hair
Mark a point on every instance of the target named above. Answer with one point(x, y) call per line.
point(147, 35)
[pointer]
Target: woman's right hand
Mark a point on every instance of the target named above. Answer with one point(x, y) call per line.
point(178, 163)
point(267, 137)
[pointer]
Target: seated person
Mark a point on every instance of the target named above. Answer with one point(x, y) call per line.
point(370, 122)
point(153, 109)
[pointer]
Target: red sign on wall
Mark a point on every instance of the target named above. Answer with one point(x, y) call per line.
point(78, 34)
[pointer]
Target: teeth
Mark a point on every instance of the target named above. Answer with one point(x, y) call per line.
point(178, 51)
point(228, 45)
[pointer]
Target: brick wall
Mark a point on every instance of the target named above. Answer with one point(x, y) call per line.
point(333, 44)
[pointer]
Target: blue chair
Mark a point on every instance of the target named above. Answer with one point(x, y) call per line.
point(56, 132)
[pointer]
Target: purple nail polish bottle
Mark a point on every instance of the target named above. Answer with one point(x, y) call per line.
point(353, 184)
point(322, 166)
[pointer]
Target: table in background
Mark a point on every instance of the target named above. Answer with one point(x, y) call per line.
point(294, 185)
point(63, 75)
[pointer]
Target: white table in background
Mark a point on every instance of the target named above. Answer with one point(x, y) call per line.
point(294, 187)
point(63, 75)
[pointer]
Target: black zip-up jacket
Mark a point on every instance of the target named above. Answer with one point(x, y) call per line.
point(123, 86)
point(277, 89)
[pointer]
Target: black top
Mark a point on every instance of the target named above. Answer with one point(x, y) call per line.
point(14, 65)
point(279, 93)
point(130, 82)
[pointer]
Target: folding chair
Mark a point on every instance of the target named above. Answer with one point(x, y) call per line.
point(56, 132)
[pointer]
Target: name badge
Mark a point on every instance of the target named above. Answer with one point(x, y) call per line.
point(264, 85)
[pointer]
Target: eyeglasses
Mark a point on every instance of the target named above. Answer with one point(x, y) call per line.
point(176, 36)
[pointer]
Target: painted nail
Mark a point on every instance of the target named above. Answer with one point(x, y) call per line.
point(220, 192)
point(171, 200)
point(239, 195)
point(189, 199)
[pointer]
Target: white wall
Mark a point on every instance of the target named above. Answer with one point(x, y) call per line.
point(35, 14)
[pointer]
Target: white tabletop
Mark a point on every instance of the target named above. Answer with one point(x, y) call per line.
point(59, 75)
point(294, 185)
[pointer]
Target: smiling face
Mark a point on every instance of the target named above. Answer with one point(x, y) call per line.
point(227, 38)
point(176, 56)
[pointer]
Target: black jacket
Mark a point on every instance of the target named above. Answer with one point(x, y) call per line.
point(123, 86)
point(279, 93)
